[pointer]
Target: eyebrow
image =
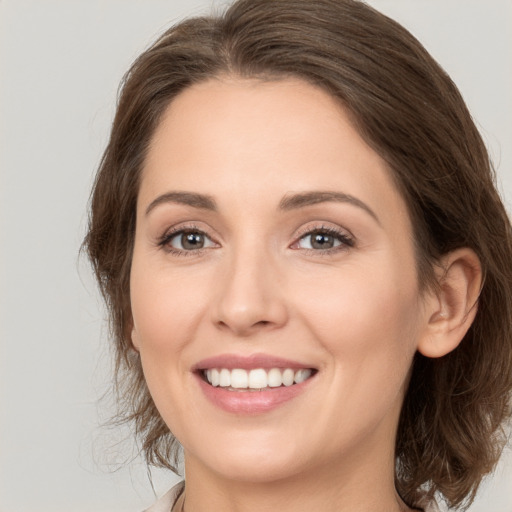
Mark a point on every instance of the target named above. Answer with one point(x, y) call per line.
point(292, 202)
point(201, 201)
point(289, 202)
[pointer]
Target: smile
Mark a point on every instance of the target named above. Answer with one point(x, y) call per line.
point(257, 379)
point(253, 384)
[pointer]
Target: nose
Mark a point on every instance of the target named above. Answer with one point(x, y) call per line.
point(251, 296)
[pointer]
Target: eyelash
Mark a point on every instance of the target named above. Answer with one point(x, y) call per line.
point(165, 241)
point(346, 241)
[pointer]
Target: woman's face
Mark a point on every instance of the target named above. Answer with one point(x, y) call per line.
point(271, 247)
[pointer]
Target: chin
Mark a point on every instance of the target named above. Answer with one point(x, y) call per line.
point(257, 471)
point(253, 461)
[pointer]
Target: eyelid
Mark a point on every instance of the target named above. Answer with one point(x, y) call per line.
point(344, 235)
point(164, 240)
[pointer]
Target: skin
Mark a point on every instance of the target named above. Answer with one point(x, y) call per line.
point(353, 312)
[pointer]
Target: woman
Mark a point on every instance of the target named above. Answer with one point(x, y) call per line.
point(307, 265)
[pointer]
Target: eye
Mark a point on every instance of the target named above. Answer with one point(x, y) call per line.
point(318, 240)
point(324, 239)
point(187, 240)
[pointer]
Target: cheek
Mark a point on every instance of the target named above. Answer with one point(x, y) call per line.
point(164, 309)
point(166, 306)
point(368, 326)
point(366, 319)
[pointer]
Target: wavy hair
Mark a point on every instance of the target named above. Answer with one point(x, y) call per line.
point(451, 428)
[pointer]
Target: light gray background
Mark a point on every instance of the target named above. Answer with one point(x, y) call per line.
point(61, 62)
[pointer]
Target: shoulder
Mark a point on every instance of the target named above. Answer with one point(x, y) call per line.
point(166, 502)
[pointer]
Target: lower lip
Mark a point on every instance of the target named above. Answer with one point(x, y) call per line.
point(251, 402)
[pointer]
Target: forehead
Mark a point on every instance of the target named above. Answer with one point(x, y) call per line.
point(262, 140)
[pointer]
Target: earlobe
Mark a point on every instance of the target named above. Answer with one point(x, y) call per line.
point(452, 309)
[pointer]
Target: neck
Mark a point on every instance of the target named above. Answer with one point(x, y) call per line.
point(361, 484)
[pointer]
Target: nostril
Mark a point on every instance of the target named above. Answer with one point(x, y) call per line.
point(244, 329)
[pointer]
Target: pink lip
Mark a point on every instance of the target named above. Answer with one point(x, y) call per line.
point(249, 402)
point(232, 361)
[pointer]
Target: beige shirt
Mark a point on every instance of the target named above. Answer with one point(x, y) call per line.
point(171, 498)
point(167, 501)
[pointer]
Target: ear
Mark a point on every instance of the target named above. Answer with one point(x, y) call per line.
point(135, 337)
point(451, 309)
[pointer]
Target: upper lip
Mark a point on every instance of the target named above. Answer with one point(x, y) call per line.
point(251, 362)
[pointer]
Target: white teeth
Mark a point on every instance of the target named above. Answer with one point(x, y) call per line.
point(275, 378)
point(302, 375)
point(288, 377)
point(257, 378)
point(225, 378)
point(215, 377)
point(239, 379)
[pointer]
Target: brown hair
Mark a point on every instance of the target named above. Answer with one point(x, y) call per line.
point(406, 107)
